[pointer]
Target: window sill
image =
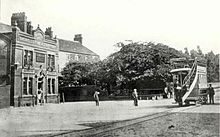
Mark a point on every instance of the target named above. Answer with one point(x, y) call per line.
point(51, 95)
point(26, 96)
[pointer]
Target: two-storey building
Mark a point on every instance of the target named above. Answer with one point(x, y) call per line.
point(32, 62)
point(74, 51)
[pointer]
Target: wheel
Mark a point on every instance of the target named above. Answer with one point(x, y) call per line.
point(187, 103)
point(180, 104)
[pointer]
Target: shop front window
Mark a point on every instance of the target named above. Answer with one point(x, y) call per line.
point(25, 86)
point(28, 86)
point(48, 83)
point(53, 86)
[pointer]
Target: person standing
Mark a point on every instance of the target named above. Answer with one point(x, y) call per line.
point(211, 93)
point(135, 97)
point(39, 96)
point(96, 97)
point(166, 92)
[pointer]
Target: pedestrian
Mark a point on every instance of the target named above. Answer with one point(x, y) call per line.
point(169, 90)
point(135, 97)
point(211, 93)
point(39, 96)
point(96, 97)
point(166, 92)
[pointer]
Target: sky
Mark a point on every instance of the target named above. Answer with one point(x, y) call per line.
point(103, 23)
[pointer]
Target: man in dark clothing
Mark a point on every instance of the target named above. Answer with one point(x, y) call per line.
point(211, 93)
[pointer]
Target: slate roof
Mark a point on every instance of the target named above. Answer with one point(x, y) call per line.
point(4, 28)
point(74, 47)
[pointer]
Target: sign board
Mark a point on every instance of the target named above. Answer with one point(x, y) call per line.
point(40, 57)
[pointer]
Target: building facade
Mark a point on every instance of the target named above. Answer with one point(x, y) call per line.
point(30, 61)
point(33, 63)
point(74, 51)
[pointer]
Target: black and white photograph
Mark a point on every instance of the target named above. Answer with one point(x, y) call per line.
point(109, 68)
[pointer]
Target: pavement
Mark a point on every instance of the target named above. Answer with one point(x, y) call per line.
point(74, 116)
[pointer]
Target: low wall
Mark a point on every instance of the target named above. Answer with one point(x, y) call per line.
point(5, 96)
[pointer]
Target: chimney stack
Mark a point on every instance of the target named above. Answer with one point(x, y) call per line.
point(21, 20)
point(29, 28)
point(49, 32)
point(78, 37)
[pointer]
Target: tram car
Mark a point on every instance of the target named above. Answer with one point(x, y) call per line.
point(189, 80)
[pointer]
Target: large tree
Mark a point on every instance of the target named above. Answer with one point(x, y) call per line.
point(141, 65)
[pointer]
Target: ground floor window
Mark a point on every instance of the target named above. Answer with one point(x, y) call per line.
point(51, 85)
point(48, 83)
point(28, 86)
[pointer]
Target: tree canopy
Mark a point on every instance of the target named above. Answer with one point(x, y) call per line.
point(139, 65)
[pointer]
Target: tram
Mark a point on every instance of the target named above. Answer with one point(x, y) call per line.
point(189, 80)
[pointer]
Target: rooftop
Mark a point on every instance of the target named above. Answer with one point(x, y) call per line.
point(4, 28)
point(75, 47)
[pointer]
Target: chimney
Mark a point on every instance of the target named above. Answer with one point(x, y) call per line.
point(29, 28)
point(21, 20)
point(78, 37)
point(49, 32)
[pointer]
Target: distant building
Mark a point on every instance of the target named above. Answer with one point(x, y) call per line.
point(74, 51)
point(30, 61)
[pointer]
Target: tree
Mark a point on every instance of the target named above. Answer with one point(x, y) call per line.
point(212, 67)
point(145, 65)
point(76, 74)
point(186, 51)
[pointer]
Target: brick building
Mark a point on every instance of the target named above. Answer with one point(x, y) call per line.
point(30, 60)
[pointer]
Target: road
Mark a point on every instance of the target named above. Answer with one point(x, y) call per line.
point(111, 118)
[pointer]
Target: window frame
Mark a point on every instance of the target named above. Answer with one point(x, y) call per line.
point(27, 86)
point(28, 61)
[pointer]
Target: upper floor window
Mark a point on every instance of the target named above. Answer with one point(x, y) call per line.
point(28, 58)
point(77, 57)
point(51, 62)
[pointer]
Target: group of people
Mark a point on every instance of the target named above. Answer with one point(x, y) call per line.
point(210, 92)
point(180, 91)
point(134, 96)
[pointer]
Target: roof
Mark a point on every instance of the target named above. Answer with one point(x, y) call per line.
point(180, 69)
point(74, 47)
point(4, 28)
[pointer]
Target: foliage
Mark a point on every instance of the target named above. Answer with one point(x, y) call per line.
point(76, 74)
point(212, 63)
point(135, 65)
point(212, 67)
point(141, 65)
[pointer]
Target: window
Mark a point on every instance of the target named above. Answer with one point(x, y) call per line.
point(28, 86)
point(77, 57)
point(25, 86)
point(51, 62)
point(53, 86)
point(48, 83)
point(28, 58)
